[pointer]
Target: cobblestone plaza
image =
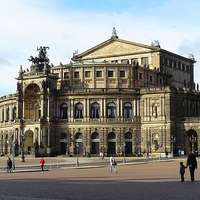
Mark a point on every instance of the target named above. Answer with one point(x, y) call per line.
point(152, 180)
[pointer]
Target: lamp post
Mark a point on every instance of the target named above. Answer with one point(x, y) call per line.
point(22, 139)
point(77, 146)
point(124, 161)
point(172, 140)
point(1, 141)
point(160, 145)
point(193, 140)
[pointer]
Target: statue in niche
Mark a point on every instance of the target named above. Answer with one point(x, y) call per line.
point(155, 110)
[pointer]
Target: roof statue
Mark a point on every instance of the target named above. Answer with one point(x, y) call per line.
point(155, 43)
point(42, 56)
point(114, 33)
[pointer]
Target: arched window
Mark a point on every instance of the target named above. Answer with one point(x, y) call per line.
point(127, 110)
point(79, 111)
point(14, 113)
point(7, 114)
point(64, 111)
point(63, 136)
point(128, 135)
point(95, 110)
point(111, 135)
point(79, 136)
point(111, 110)
point(95, 135)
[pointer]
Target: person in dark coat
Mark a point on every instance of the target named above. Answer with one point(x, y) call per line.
point(192, 164)
point(9, 165)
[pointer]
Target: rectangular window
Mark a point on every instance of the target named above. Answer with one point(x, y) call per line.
point(140, 76)
point(151, 79)
point(99, 73)
point(145, 61)
point(76, 74)
point(179, 65)
point(187, 68)
point(170, 63)
point(134, 61)
point(66, 75)
point(125, 61)
point(183, 67)
point(160, 81)
point(110, 74)
point(174, 64)
point(87, 74)
point(122, 73)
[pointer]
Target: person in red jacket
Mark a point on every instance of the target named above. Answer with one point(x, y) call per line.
point(42, 161)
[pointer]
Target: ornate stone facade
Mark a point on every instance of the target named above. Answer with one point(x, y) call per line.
point(116, 96)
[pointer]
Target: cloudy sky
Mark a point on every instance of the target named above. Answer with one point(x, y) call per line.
point(69, 25)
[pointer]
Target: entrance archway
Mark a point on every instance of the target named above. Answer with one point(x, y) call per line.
point(64, 144)
point(111, 143)
point(28, 143)
point(95, 143)
point(79, 140)
point(128, 142)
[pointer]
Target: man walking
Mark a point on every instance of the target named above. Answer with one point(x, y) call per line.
point(192, 164)
point(113, 164)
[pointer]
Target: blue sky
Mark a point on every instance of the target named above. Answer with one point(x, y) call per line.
point(69, 25)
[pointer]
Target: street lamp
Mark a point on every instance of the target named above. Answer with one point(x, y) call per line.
point(22, 139)
point(77, 146)
point(160, 145)
point(1, 142)
point(193, 140)
point(124, 161)
point(172, 140)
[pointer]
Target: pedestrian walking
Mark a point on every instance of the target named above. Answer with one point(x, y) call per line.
point(9, 165)
point(166, 154)
point(192, 164)
point(182, 171)
point(42, 161)
point(101, 155)
point(113, 164)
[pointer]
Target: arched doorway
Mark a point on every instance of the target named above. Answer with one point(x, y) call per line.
point(111, 143)
point(128, 143)
point(28, 143)
point(63, 144)
point(95, 143)
point(79, 140)
point(192, 141)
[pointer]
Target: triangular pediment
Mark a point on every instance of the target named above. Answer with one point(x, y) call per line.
point(114, 47)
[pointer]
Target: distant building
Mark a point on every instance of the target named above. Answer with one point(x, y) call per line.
point(117, 95)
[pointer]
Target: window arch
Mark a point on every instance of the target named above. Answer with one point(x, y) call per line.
point(63, 111)
point(79, 111)
point(111, 135)
point(63, 136)
point(111, 110)
point(127, 110)
point(95, 135)
point(128, 135)
point(79, 136)
point(95, 110)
